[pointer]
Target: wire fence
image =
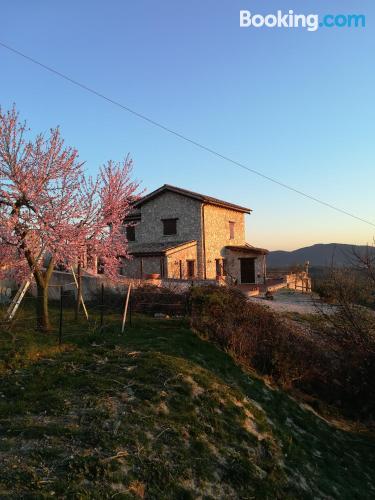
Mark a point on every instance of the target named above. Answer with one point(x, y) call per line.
point(105, 309)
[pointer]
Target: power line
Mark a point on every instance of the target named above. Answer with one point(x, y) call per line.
point(184, 138)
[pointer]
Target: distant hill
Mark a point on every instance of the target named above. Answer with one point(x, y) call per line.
point(320, 255)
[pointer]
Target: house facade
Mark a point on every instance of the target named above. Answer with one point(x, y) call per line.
point(179, 234)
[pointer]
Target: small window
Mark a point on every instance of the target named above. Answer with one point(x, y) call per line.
point(231, 230)
point(130, 233)
point(190, 268)
point(169, 226)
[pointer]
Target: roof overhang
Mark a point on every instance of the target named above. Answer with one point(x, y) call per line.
point(133, 217)
point(157, 250)
point(247, 249)
point(190, 194)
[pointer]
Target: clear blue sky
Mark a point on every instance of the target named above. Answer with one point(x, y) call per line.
point(296, 105)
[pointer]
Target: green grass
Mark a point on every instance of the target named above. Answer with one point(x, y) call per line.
point(160, 413)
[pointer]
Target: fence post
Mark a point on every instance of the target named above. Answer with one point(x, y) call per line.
point(130, 311)
point(61, 314)
point(102, 308)
point(187, 305)
point(126, 307)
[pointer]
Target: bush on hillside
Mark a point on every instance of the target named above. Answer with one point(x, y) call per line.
point(351, 335)
point(345, 285)
point(252, 333)
point(337, 369)
point(351, 329)
point(151, 299)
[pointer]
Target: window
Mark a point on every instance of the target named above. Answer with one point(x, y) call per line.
point(130, 233)
point(231, 230)
point(169, 226)
point(247, 270)
point(190, 268)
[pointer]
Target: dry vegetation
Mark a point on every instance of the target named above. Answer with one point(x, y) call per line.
point(335, 364)
point(160, 413)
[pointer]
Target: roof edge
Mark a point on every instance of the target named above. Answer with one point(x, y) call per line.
point(191, 194)
point(162, 251)
point(247, 249)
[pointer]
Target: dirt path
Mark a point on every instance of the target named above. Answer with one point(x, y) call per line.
point(289, 301)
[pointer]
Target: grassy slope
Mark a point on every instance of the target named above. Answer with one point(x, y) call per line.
point(161, 413)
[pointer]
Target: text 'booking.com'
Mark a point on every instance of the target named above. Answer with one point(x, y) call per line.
point(310, 22)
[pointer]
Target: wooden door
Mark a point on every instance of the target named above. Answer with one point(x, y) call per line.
point(247, 270)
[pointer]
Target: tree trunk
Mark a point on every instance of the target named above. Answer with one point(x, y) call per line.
point(43, 323)
point(42, 283)
point(79, 290)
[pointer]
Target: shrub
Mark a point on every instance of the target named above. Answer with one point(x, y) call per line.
point(351, 334)
point(151, 299)
point(337, 368)
point(345, 285)
point(252, 333)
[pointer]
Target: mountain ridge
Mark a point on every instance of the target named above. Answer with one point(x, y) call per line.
point(319, 255)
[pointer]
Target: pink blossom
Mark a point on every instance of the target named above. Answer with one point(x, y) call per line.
point(48, 204)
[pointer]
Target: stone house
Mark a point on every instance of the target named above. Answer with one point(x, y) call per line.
point(178, 234)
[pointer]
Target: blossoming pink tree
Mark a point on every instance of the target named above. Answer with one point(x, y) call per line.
point(51, 213)
point(104, 204)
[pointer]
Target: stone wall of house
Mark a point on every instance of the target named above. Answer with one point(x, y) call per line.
point(151, 265)
point(234, 265)
point(188, 213)
point(171, 206)
point(182, 255)
point(217, 234)
point(132, 268)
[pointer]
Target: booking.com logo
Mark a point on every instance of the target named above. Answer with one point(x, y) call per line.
point(311, 22)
